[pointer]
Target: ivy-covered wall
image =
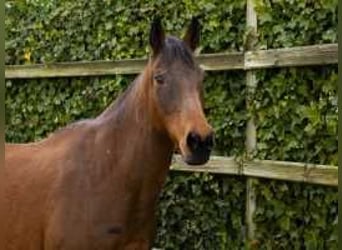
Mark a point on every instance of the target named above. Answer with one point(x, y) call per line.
point(296, 111)
point(296, 108)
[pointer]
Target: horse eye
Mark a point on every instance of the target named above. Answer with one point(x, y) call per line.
point(159, 79)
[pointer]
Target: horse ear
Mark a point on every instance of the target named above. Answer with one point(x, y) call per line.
point(157, 36)
point(192, 36)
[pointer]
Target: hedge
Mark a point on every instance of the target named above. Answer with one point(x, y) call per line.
point(296, 111)
point(295, 108)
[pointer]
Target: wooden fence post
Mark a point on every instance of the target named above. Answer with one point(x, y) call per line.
point(251, 41)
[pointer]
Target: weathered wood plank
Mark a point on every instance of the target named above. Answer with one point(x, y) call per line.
point(295, 56)
point(216, 165)
point(292, 171)
point(222, 61)
point(277, 170)
point(274, 170)
point(73, 69)
point(251, 131)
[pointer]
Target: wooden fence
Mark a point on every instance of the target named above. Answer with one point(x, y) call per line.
point(297, 56)
point(248, 61)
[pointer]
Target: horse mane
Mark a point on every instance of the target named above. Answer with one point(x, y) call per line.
point(71, 126)
point(77, 124)
point(174, 50)
point(118, 103)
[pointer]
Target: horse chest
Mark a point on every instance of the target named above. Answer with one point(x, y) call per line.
point(114, 214)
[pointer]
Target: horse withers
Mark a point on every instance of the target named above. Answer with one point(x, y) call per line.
point(95, 184)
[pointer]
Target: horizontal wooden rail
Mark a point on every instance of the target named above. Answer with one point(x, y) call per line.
point(277, 170)
point(74, 69)
point(209, 62)
point(296, 56)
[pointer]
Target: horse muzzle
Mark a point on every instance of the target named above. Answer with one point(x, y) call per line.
point(199, 148)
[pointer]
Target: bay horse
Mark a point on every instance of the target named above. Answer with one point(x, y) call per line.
point(95, 184)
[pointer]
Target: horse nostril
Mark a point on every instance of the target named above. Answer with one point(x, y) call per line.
point(193, 141)
point(209, 142)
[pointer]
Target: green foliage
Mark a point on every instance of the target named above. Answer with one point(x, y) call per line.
point(295, 108)
point(93, 30)
point(228, 120)
point(203, 211)
point(296, 112)
point(289, 23)
point(296, 216)
point(35, 108)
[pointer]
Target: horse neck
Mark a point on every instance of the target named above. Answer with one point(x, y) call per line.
point(131, 121)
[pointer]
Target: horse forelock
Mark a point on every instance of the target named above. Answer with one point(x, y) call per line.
point(175, 50)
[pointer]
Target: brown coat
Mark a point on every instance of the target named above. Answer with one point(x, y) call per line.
point(95, 184)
